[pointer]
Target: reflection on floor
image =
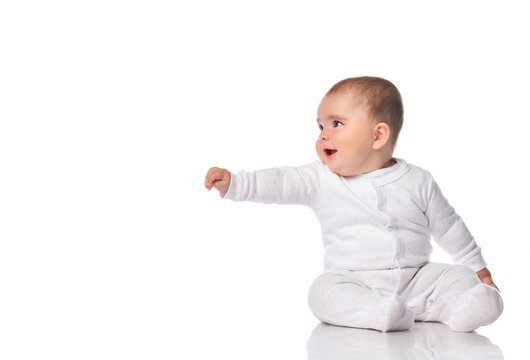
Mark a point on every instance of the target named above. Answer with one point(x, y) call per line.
point(424, 341)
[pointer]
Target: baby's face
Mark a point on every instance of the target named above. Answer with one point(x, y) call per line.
point(345, 140)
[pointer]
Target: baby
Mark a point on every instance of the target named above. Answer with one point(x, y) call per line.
point(377, 215)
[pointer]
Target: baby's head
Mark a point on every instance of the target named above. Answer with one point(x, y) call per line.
point(360, 120)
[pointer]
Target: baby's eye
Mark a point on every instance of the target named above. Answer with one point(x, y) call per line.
point(337, 123)
point(320, 127)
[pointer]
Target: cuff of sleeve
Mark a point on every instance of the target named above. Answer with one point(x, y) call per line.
point(230, 193)
point(477, 264)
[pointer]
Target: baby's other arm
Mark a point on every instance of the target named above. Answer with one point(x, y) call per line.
point(450, 232)
point(218, 178)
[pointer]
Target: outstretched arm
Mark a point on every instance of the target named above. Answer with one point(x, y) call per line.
point(280, 185)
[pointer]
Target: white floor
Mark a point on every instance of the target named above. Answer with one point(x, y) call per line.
point(423, 341)
point(284, 340)
point(150, 328)
point(265, 336)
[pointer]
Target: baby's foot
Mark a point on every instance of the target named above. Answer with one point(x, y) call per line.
point(481, 305)
point(395, 316)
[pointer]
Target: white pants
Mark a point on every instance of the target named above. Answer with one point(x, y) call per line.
point(389, 300)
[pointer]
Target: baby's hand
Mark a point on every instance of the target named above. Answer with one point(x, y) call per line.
point(485, 276)
point(218, 178)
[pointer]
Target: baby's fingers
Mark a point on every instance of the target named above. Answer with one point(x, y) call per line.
point(488, 281)
point(213, 175)
point(210, 178)
point(492, 284)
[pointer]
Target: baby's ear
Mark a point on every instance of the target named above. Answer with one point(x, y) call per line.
point(381, 135)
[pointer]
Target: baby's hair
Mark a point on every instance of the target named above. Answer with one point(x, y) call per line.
point(380, 96)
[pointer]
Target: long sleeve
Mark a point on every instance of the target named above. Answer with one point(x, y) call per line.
point(449, 231)
point(281, 185)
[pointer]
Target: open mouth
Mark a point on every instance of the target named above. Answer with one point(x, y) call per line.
point(330, 152)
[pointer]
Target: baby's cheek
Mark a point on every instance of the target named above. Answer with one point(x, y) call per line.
point(319, 153)
point(317, 147)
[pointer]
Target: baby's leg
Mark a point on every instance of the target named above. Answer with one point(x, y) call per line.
point(461, 300)
point(338, 298)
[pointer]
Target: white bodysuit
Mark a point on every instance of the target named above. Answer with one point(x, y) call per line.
point(376, 229)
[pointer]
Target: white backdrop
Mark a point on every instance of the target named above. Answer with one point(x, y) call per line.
point(111, 112)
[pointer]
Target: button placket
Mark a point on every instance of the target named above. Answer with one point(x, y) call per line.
point(381, 206)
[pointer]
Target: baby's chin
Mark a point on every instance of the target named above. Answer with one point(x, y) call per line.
point(340, 171)
point(345, 173)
